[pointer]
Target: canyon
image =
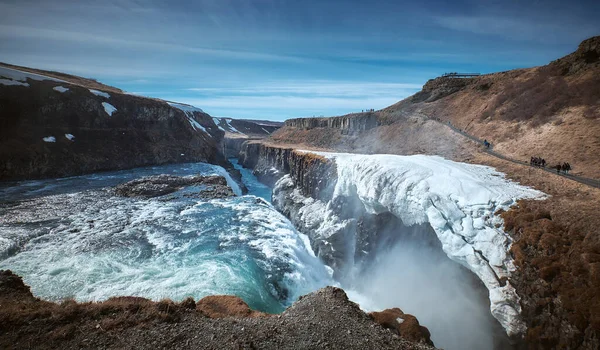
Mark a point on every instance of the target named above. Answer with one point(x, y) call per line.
point(516, 246)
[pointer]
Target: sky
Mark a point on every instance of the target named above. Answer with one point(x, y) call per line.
point(280, 59)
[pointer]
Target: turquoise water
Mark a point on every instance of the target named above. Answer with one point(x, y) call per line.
point(71, 238)
point(254, 186)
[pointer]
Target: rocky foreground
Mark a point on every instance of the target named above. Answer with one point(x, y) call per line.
point(323, 319)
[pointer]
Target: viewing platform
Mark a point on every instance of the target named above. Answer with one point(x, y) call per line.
point(460, 75)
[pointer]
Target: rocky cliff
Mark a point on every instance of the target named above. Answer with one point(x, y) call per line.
point(315, 175)
point(51, 127)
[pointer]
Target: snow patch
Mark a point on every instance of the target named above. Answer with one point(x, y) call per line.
point(14, 74)
point(49, 139)
point(228, 121)
point(100, 93)
point(268, 133)
point(70, 137)
point(458, 200)
point(400, 320)
point(60, 89)
point(217, 121)
point(194, 123)
point(189, 113)
point(12, 82)
point(108, 108)
point(185, 108)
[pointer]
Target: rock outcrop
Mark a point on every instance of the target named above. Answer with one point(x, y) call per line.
point(586, 55)
point(55, 128)
point(160, 185)
point(322, 319)
point(405, 325)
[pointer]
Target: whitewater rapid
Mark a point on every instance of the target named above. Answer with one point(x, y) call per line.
point(457, 200)
point(72, 238)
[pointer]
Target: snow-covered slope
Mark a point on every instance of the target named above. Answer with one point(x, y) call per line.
point(458, 200)
point(189, 112)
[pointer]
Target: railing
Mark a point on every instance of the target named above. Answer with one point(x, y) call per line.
point(460, 75)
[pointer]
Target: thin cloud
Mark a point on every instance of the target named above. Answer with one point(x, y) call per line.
point(316, 88)
point(13, 31)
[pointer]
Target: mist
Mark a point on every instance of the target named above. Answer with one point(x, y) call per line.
point(416, 276)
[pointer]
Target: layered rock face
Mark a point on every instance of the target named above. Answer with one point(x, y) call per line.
point(349, 123)
point(52, 128)
point(270, 163)
point(231, 146)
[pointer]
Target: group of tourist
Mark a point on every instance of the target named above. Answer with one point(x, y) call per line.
point(537, 161)
point(541, 162)
point(565, 167)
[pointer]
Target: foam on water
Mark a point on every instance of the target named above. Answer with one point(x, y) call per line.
point(91, 245)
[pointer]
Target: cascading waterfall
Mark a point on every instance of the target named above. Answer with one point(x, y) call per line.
point(450, 205)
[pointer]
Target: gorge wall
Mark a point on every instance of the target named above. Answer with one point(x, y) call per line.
point(53, 128)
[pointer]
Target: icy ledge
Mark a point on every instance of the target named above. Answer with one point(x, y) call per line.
point(458, 200)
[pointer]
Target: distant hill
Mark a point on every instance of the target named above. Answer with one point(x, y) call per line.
point(245, 128)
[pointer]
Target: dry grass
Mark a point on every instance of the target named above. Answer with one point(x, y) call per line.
point(63, 320)
point(533, 112)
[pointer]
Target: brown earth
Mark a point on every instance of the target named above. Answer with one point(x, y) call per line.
point(551, 111)
point(322, 319)
point(407, 326)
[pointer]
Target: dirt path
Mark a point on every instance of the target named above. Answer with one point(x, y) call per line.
point(584, 180)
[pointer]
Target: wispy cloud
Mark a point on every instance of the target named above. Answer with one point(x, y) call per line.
point(14, 31)
point(315, 88)
point(283, 59)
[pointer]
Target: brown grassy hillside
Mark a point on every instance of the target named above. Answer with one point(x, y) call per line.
point(551, 111)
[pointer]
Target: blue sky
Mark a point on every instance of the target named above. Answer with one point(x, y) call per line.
point(278, 59)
